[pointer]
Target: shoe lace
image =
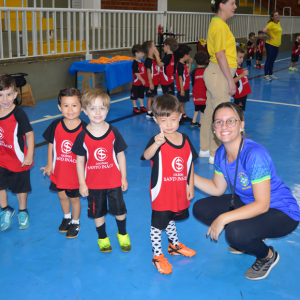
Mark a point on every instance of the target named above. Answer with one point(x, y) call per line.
point(258, 264)
point(163, 262)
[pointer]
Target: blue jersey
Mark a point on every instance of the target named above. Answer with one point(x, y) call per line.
point(255, 166)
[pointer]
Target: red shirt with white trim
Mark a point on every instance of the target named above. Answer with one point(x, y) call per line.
point(296, 50)
point(139, 67)
point(152, 65)
point(182, 70)
point(199, 88)
point(64, 174)
point(260, 45)
point(13, 129)
point(243, 86)
point(167, 70)
point(102, 169)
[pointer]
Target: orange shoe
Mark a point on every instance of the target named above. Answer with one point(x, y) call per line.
point(162, 264)
point(181, 250)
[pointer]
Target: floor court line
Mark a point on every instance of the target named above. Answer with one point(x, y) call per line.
point(279, 103)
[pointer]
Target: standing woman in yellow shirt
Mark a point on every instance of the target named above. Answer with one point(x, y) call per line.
point(218, 76)
point(274, 32)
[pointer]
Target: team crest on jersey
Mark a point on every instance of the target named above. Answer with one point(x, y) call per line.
point(100, 154)
point(177, 164)
point(243, 179)
point(66, 146)
point(1, 133)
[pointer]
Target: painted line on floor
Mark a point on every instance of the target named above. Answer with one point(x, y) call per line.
point(270, 102)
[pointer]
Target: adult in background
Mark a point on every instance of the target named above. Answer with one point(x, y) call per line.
point(218, 76)
point(274, 32)
point(260, 206)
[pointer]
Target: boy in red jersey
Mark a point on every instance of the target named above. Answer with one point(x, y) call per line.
point(166, 65)
point(15, 158)
point(259, 49)
point(152, 74)
point(61, 164)
point(101, 168)
point(172, 179)
point(241, 81)
point(295, 53)
point(250, 49)
point(139, 79)
point(199, 88)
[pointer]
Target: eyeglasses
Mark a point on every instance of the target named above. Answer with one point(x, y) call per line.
point(229, 122)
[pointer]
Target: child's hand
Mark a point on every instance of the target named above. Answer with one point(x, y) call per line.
point(151, 86)
point(47, 170)
point(246, 73)
point(84, 190)
point(143, 81)
point(28, 160)
point(160, 138)
point(124, 184)
point(190, 60)
point(190, 192)
point(182, 93)
point(156, 53)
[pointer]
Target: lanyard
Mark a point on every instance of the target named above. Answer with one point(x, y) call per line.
point(236, 170)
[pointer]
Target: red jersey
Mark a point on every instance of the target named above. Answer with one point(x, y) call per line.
point(167, 70)
point(251, 49)
point(13, 129)
point(170, 177)
point(182, 70)
point(260, 45)
point(138, 67)
point(199, 88)
point(102, 169)
point(64, 174)
point(152, 65)
point(243, 86)
point(296, 50)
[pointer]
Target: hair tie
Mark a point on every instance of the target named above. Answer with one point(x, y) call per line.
point(213, 2)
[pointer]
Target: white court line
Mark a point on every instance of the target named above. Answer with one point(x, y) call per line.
point(297, 105)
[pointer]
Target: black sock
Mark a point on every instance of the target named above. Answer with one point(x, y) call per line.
point(121, 226)
point(101, 231)
point(4, 208)
point(23, 210)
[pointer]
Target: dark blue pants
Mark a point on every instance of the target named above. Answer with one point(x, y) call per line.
point(245, 235)
point(272, 53)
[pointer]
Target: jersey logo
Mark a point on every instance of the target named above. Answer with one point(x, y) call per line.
point(177, 164)
point(66, 146)
point(100, 154)
point(1, 133)
point(243, 179)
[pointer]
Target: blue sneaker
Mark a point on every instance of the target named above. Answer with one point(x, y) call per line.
point(23, 219)
point(6, 216)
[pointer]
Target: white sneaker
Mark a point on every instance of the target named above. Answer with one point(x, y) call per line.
point(273, 77)
point(267, 78)
point(204, 153)
point(211, 160)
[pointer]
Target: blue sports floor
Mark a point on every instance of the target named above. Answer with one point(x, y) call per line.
point(40, 263)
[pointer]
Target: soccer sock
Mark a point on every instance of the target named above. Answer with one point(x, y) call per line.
point(155, 235)
point(67, 216)
point(121, 226)
point(23, 210)
point(75, 222)
point(172, 233)
point(101, 231)
point(149, 111)
point(5, 208)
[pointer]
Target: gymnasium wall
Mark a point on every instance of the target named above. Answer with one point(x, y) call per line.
point(130, 5)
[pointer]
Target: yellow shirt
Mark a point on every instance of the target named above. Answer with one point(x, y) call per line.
point(220, 38)
point(275, 31)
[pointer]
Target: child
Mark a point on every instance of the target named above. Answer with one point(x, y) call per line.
point(61, 164)
point(139, 79)
point(101, 168)
point(295, 53)
point(183, 79)
point(259, 49)
point(250, 49)
point(199, 88)
point(166, 65)
point(172, 179)
point(152, 74)
point(241, 81)
point(15, 159)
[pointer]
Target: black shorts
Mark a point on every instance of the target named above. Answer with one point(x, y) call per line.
point(241, 102)
point(259, 55)
point(97, 203)
point(184, 98)
point(17, 182)
point(151, 93)
point(70, 193)
point(168, 89)
point(295, 58)
point(250, 56)
point(161, 219)
point(137, 91)
point(200, 108)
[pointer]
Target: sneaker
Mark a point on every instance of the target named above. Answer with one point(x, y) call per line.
point(104, 245)
point(143, 109)
point(64, 226)
point(267, 78)
point(73, 231)
point(181, 122)
point(194, 124)
point(6, 216)
point(186, 119)
point(249, 67)
point(199, 125)
point(273, 77)
point(211, 160)
point(235, 250)
point(23, 219)
point(124, 241)
point(204, 153)
point(181, 250)
point(261, 67)
point(162, 264)
point(291, 69)
point(136, 111)
point(149, 115)
point(262, 267)
point(257, 67)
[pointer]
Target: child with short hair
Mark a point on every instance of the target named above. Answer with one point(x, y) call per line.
point(166, 73)
point(172, 179)
point(250, 49)
point(61, 163)
point(15, 158)
point(199, 88)
point(139, 79)
point(101, 168)
point(295, 53)
point(259, 49)
point(241, 81)
point(183, 79)
point(152, 70)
